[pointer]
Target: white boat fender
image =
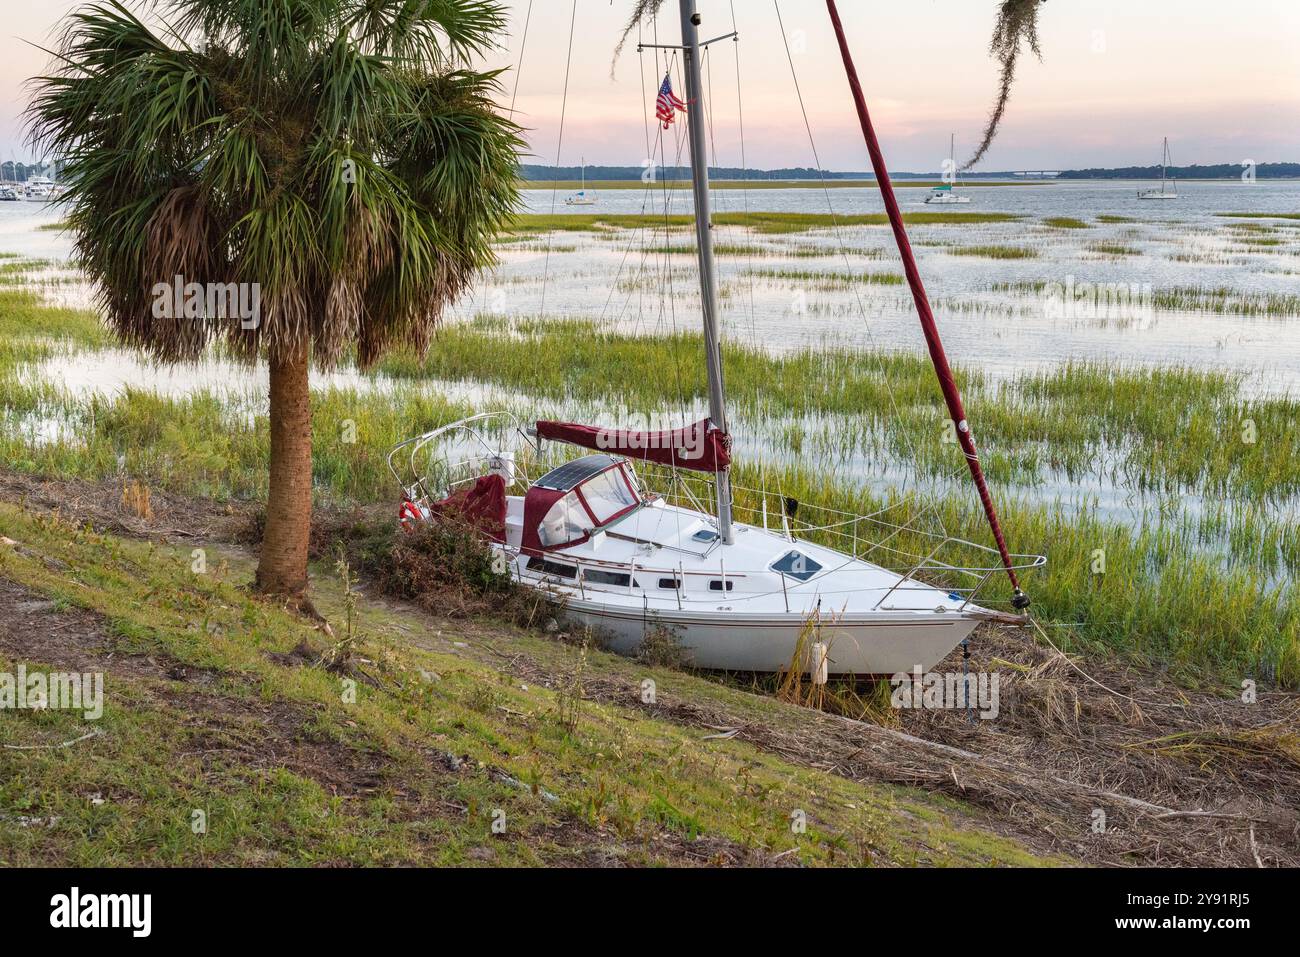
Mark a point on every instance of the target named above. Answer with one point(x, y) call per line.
point(819, 669)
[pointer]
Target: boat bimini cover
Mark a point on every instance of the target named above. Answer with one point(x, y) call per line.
point(701, 447)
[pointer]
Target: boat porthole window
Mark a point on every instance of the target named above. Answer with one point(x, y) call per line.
point(599, 577)
point(716, 585)
point(552, 568)
point(670, 583)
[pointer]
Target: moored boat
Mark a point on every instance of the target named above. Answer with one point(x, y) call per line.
point(754, 589)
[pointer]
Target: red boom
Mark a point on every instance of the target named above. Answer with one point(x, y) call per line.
point(941, 368)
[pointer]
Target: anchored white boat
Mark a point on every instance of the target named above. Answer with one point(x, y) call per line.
point(584, 196)
point(944, 194)
point(1168, 187)
point(771, 592)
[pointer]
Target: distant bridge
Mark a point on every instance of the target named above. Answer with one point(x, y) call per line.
point(1036, 173)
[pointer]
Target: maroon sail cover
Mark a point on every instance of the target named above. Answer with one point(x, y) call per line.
point(700, 447)
point(482, 505)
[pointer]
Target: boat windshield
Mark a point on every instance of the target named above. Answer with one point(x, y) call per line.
point(608, 494)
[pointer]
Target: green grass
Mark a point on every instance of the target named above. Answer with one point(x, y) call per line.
point(1260, 215)
point(829, 280)
point(1065, 222)
point(876, 407)
point(1107, 218)
point(1184, 591)
point(1221, 299)
point(25, 318)
point(290, 770)
point(1114, 249)
point(1216, 299)
point(994, 251)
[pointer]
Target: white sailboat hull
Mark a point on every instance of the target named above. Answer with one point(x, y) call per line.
point(946, 200)
point(727, 605)
point(1156, 194)
point(769, 643)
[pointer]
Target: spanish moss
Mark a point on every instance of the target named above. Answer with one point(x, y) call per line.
point(1017, 23)
point(644, 10)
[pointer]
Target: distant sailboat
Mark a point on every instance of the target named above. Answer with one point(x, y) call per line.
point(1168, 188)
point(582, 197)
point(943, 194)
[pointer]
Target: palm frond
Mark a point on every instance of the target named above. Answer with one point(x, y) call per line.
point(337, 153)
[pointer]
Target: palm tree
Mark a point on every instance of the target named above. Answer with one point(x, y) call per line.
point(341, 157)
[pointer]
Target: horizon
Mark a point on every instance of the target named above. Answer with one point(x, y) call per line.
point(1113, 82)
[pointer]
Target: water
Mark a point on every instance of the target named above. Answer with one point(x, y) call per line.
point(618, 279)
point(1177, 244)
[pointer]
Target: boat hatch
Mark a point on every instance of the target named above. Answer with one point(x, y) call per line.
point(796, 565)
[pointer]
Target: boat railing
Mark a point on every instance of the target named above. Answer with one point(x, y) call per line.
point(436, 464)
point(427, 460)
point(963, 567)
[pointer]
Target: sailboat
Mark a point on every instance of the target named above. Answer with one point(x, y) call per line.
point(626, 560)
point(944, 194)
point(1168, 188)
point(582, 197)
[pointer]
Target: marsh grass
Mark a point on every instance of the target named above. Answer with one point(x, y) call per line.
point(1065, 222)
point(1259, 215)
point(1113, 249)
point(1208, 591)
point(26, 318)
point(995, 252)
point(1224, 300)
point(828, 280)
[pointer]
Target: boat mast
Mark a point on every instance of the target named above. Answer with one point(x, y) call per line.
point(704, 241)
point(1164, 159)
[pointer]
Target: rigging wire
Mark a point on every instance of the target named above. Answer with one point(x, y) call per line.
point(519, 67)
point(744, 165)
point(844, 253)
point(559, 143)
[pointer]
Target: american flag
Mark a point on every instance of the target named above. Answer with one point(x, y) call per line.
point(667, 102)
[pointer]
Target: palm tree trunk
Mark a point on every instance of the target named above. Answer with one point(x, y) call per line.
point(282, 569)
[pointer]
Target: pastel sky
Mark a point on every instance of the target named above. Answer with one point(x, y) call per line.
point(1220, 78)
